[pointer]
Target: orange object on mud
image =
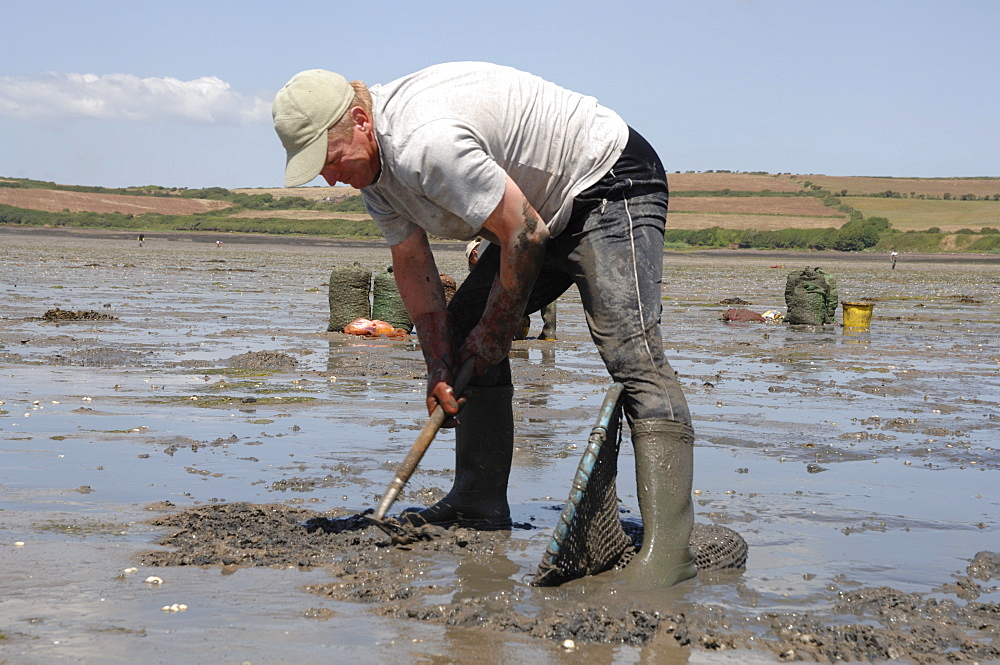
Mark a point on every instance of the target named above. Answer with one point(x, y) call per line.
point(373, 328)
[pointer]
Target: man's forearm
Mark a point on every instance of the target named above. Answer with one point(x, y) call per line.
point(417, 276)
point(522, 236)
point(522, 253)
point(520, 262)
point(419, 285)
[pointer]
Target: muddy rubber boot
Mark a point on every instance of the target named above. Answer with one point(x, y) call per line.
point(548, 322)
point(484, 445)
point(664, 461)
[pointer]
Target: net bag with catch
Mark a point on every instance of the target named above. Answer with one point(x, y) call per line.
point(350, 288)
point(590, 538)
point(387, 303)
point(811, 297)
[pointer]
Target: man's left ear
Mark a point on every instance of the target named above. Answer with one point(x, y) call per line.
point(360, 117)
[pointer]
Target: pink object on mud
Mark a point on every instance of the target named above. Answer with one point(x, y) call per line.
point(373, 328)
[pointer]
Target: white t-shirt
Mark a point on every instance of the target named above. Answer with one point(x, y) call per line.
point(450, 134)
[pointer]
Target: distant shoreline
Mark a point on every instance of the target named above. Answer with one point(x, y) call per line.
point(192, 236)
point(322, 241)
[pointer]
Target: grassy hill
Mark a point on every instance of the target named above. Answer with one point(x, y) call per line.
point(706, 209)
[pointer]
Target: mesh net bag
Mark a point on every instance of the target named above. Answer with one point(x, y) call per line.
point(349, 288)
point(590, 537)
point(811, 297)
point(387, 304)
point(714, 547)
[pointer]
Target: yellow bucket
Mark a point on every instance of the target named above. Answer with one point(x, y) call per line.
point(858, 314)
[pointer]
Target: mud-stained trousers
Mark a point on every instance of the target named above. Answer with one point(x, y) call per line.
point(612, 249)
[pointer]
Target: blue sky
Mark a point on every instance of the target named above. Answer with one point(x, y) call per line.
point(178, 94)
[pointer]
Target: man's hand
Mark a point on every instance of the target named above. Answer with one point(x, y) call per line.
point(434, 332)
point(441, 393)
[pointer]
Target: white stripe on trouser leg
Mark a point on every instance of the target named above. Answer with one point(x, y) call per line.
point(642, 313)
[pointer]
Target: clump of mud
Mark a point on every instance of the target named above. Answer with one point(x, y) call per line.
point(263, 361)
point(247, 534)
point(863, 624)
point(244, 534)
point(82, 315)
point(985, 566)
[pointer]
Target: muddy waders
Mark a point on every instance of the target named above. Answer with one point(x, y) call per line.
point(484, 445)
point(664, 461)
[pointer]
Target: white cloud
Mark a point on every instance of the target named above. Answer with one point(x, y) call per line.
point(53, 99)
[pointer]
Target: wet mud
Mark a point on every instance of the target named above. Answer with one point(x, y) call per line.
point(863, 624)
point(213, 436)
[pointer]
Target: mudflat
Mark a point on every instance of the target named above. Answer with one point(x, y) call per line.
point(185, 450)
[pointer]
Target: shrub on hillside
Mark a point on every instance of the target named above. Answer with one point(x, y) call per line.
point(987, 243)
point(713, 237)
point(788, 239)
point(857, 235)
point(212, 193)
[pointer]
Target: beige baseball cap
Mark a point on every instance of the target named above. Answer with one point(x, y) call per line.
point(309, 104)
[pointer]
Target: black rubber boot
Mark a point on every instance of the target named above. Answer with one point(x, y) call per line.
point(664, 466)
point(484, 446)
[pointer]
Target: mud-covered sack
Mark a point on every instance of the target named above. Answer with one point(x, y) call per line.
point(810, 297)
point(387, 304)
point(349, 295)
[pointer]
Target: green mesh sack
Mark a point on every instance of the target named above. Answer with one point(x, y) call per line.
point(349, 288)
point(811, 297)
point(387, 304)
